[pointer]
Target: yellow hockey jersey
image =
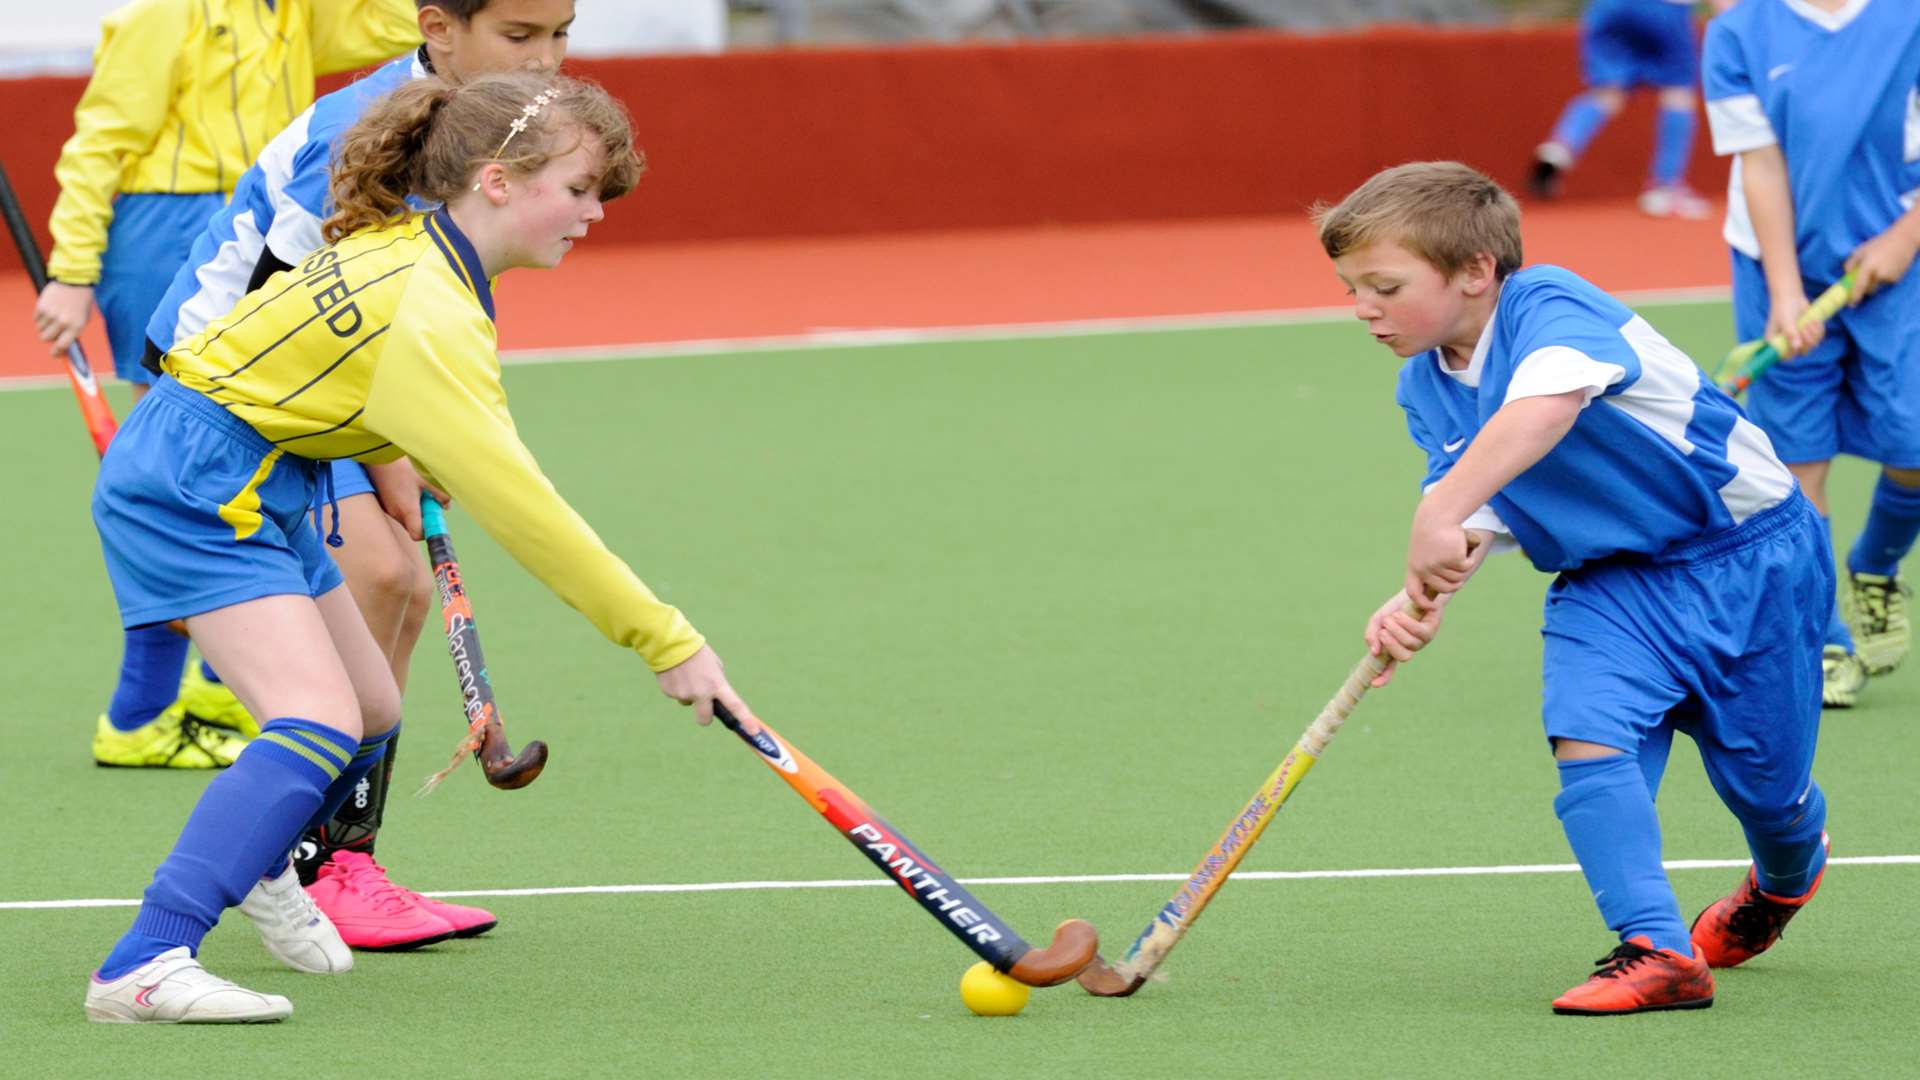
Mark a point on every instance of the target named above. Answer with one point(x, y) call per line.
point(185, 93)
point(383, 344)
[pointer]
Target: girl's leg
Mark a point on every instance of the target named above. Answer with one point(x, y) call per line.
point(278, 654)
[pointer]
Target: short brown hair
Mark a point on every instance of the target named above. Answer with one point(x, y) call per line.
point(429, 136)
point(1445, 212)
point(464, 10)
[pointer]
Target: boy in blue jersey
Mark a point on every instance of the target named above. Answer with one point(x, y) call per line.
point(144, 169)
point(1818, 103)
point(1624, 44)
point(1692, 574)
point(273, 222)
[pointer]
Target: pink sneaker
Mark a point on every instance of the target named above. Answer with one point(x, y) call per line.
point(466, 921)
point(370, 911)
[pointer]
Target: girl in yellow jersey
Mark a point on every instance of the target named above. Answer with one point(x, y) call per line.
point(377, 345)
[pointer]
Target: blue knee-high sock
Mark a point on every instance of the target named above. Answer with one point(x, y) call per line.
point(1789, 853)
point(1892, 526)
point(1837, 632)
point(150, 666)
point(372, 751)
point(1579, 122)
point(1672, 145)
point(247, 817)
point(1608, 814)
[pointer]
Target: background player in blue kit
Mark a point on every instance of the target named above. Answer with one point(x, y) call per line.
point(1818, 101)
point(1693, 575)
point(1625, 44)
point(272, 223)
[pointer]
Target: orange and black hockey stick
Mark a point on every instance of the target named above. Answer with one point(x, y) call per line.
point(94, 409)
point(1074, 942)
point(485, 737)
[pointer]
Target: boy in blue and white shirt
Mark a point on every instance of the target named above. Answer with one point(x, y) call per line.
point(1693, 577)
point(1818, 103)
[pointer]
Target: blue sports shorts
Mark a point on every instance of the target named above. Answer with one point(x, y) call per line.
point(1628, 43)
point(1857, 392)
point(147, 243)
point(196, 512)
point(1718, 638)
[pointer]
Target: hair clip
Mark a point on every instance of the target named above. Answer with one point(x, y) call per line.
point(540, 101)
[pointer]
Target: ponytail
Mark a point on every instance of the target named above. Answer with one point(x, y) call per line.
point(380, 156)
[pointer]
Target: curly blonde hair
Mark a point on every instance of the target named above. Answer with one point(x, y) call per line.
point(428, 137)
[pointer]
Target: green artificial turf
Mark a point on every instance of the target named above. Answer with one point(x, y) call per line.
point(1053, 607)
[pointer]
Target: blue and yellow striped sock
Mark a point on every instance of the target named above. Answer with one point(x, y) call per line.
point(246, 819)
point(372, 751)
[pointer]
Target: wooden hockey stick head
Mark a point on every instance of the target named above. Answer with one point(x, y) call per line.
point(1102, 979)
point(505, 769)
point(1075, 945)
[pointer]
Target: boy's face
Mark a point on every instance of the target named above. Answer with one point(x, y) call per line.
point(506, 35)
point(1407, 304)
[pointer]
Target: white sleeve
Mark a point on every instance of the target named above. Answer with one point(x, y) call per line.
point(1738, 124)
point(1558, 369)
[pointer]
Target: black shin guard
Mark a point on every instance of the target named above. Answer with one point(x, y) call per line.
point(354, 827)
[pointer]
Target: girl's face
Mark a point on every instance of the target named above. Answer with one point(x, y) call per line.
point(1407, 304)
point(553, 206)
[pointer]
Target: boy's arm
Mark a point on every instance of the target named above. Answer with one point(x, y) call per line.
point(1886, 258)
point(1518, 435)
point(350, 34)
point(1763, 179)
point(119, 117)
point(436, 395)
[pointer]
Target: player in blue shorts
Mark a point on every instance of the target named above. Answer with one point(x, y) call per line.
point(1625, 44)
point(1818, 103)
point(378, 344)
point(1692, 575)
point(138, 179)
point(272, 223)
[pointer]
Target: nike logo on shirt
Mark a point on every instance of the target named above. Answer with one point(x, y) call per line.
point(1778, 70)
point(1454, 445)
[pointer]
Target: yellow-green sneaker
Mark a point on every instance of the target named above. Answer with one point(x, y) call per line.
point(212, 703)
point(1843, 676)
point(1875, 608)
point(172, 740)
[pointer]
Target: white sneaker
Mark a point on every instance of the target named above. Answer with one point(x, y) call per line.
point(293, 928)
point(173, 988)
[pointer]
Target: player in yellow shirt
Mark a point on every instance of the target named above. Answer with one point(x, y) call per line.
point(377, 345)
point(184, 94)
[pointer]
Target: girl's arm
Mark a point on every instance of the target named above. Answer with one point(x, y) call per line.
point(1763, 178)
point(1518, 434)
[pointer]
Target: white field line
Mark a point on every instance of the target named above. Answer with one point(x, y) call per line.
point(1064, 879)
point(847, 338)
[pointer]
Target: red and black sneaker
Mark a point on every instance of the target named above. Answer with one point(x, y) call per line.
point(1636, 978)
point(1739, 927)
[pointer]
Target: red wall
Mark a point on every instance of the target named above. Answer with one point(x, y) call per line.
point(845, 141)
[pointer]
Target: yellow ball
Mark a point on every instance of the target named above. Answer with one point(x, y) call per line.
point(989, 993)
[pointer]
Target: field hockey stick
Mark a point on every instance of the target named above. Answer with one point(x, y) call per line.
point(94, 410)
point(1075, 942)
point(486, 740)
point(1150, 949)
point(1752, 359)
